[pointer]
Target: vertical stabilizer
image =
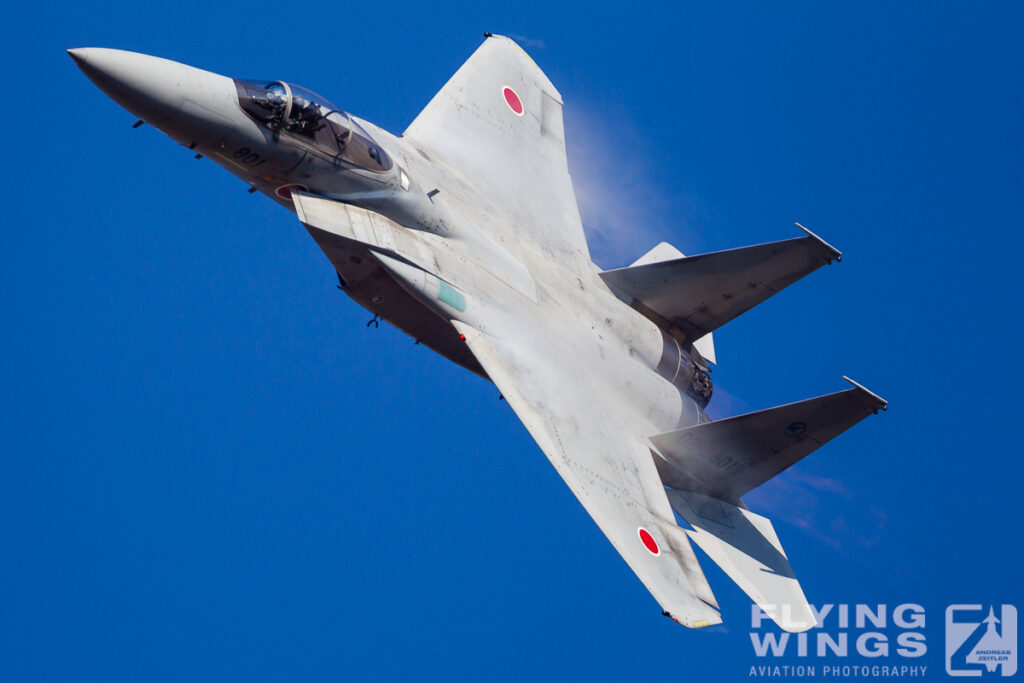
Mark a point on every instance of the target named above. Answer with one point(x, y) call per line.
point(666, 252)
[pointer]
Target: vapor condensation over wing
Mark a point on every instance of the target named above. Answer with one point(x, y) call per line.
point(626, 208)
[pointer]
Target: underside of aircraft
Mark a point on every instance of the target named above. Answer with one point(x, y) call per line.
point(464, 232)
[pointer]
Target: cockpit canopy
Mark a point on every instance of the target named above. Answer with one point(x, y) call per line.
point(305, 115)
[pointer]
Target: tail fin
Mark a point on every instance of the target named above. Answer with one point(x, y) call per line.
point(701, 293)
point(727, 458)
point(663, 251)
point(666, 252)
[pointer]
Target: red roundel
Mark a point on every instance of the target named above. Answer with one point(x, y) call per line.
point(285, 191)
point(513, 101)
point(649, 542)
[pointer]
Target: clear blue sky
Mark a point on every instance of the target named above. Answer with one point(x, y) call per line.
point(213, 470)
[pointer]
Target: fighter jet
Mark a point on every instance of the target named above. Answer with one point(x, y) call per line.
point(464, 233)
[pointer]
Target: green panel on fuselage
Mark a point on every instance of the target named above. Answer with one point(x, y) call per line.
point(451, 296)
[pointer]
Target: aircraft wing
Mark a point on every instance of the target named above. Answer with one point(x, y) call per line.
point(497, 124)
point(610, 472)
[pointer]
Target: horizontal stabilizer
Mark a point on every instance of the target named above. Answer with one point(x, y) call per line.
point(701, 293)
point(747, 549)
point(727, 458)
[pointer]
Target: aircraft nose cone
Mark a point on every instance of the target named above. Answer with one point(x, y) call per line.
point(152, 88)
point(80, 55)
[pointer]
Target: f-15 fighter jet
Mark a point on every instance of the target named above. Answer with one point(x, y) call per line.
point(464, 233)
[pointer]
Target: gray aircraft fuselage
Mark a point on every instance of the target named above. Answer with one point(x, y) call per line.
point(279, 138)
point(465, 233)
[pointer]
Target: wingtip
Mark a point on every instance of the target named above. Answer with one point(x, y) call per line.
point(797, 626)
point(695, 621)
point(882, 403)
point(702, 623)
point(834, 254)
